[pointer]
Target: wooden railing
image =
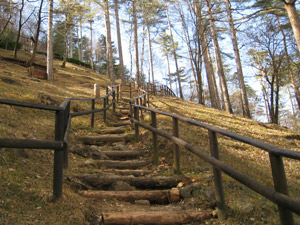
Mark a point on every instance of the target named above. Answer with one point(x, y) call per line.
point(279, 195)
point(63, 118)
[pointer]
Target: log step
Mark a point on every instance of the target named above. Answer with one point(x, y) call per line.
point(146, 217)
point(112, 130)
point(117, 164)
point(156, 196)
point(138, 182)
point(94, 140)
point(121, 154)
point(135, 173)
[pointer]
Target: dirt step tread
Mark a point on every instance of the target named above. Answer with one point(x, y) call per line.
point(121, 154)
point(119, 164)
point(125, 172)
point(93, 140)
point(120, 124)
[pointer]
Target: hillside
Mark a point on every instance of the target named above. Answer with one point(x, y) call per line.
point(26, 180)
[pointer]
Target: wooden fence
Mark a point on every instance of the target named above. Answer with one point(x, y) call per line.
point(286, 204)
point(63, 118)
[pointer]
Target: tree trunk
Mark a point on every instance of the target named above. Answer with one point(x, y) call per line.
point(295, 86)
point(137, 69)
point(219, 60)
point(150, 53)
point(119, 44)
point(30, 62)
point(80, 46)
point(169, 71)
point(139, 182)
point(65, 44)
point(91, 43)
point(187, 41)
point(49, 42)
point(152, 217)
point(143, 52)
point(19, 30)
point(109, 56)
point(294, 19)
point(71, 41)
point(78, 42)
point(174, 54)
point(213, 91)
point(245, 104)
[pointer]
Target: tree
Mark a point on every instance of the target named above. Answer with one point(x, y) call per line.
point(135, 31)
point(36, 39)
point(294, 18)
point(223, 84)
point(174, 53)
point(119, 43)
point(50, 75)
point(109, 56)
point(213, 91)
point(245, 104)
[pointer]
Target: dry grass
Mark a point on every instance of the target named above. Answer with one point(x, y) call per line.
point(242, 157)
point(26, 183)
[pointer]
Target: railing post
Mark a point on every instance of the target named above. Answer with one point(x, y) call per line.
point(154, 90)
point(93, 114)
point(66, 150)
point(104, 107)
point(176, 153)
point(58, 156)
point(136, 117)
point(214, 151)
point(114, 101)
point(106, 90)
point(145, 101)
point(280, 185)
point(155, 149)
point(148, 99)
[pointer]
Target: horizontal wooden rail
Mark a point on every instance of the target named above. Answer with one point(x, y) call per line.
point(259, 144)
point(30, 105)
point(276, 197)
point(31, 144)
point(279, 195)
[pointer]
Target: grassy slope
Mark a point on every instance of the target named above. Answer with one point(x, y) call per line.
point(26, 184)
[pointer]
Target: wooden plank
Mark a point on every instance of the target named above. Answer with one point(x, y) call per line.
point(153, 196)
point(146, 217)
point(117, 164)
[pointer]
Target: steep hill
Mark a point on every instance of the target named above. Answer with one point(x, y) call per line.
point(26, 179)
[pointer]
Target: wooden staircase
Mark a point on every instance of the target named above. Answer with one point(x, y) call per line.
point(124, 183)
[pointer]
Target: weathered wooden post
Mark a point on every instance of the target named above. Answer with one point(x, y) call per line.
point(148, 99)
point(155, 149)
point(93, 114)
point(58, 156)
point(106, 90)
point(96, 91)
point(136, 117)
point(145, 101)
point(176, 153)
point(114, 101)
point(66, 150)
point(214, 151)
point(104, 107)
point(280, 185)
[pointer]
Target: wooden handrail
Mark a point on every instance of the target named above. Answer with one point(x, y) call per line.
point(286, 204)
